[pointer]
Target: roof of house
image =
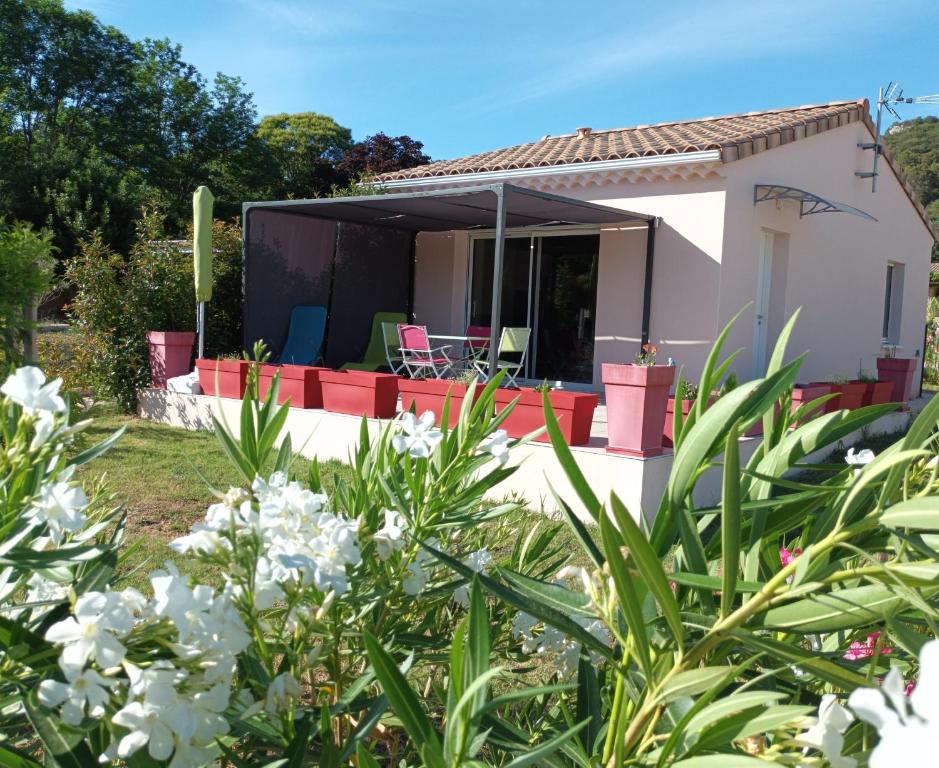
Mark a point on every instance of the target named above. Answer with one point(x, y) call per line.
point(934, 268)
point(735, 136)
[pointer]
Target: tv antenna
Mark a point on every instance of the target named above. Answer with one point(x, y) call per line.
point(888, 98)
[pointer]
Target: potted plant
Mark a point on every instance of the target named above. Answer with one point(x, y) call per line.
point(574, 412)
point(360, 393)
point(685, 394)
point(430, 394)
point(224, 377)
point(876, 392)
point(850, 394)
point(170, 355)
point(899, 371)
point(300, 384)
point(636, 401)
point(806, 393)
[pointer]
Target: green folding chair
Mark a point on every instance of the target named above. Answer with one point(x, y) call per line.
point(514, 341)
point(382, 349)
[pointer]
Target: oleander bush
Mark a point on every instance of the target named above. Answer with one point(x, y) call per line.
point(386, 625)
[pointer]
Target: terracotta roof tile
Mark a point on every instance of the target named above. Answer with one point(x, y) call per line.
point(734, 135)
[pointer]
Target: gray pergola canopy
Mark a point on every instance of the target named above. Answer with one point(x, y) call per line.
point(376, 218)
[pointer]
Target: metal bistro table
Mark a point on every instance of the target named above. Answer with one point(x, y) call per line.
point(472, 349)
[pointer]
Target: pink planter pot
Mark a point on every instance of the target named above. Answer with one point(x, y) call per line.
point(170, 355)
point(850, 395)
point(878, 393)
point(223, 378)
point(360, 393)
point(430, 394)
point(298, 383)
point(574, 412)
point(802, 394)
point(636, 401)
point(899, 371)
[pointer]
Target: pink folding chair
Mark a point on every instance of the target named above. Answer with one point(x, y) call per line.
point(475, 348)
point(418, 356)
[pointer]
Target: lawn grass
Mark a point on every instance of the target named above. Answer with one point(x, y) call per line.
point(163, 478)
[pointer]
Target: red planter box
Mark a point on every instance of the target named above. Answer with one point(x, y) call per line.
point(230, 374)
point(574, 412)
point(298, 383)
point(878, 392)
point(360, 393)
point(899, 371)
point(429, 395)
point(686, 406)
point(802, 394)
point(850, 395)
point(636, 401)
point(170, 355)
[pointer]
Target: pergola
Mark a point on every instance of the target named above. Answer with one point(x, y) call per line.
point(382, 222)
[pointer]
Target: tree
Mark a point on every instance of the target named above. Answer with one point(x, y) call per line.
point(304, 148)
point(914, 144)
point(381, 154)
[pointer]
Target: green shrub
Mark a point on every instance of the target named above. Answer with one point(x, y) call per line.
point(26, 265)
point(118, 300)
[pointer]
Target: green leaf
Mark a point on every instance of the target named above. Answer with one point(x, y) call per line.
point(649, 566)
point(730, 760)
point(589, 703)
point(921, 512)
point(691, 682)
point(97, 450)
point(729, 705)
point(749, 723)
point(837, 610)
point(13, 758)
point(296, 752)
point(66, 745)
point(730, 522)
point(364, 758)
point(568, 464)
point(553, 595)
point(537, 753)
point(404, 703)
point(626, 594)
point(580, 530)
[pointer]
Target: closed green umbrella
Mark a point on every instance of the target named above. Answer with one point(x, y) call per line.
point(202, 201)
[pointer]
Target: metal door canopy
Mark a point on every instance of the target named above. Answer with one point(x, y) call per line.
point(809, 203)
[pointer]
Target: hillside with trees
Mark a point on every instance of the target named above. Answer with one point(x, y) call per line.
point(96, 127)
point(914, 144)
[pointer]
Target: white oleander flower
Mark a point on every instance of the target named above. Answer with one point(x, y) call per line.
point(143, 720)
point(27, 387)
point(859, 459)
point(523, 627)
point(60, 506)
point(91, 633)
point(281, 692)
point(906, 725)
point(390, 537)
point(497, 444)
point(419, 437)
point(44, 429)
point(416, 579)
point(479, 561)
point(202, 540)
point(827, 734)
point(42, 590)
point(84, 692)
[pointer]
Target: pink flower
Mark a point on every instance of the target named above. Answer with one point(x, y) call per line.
point(786, 557)
point(910, 687)
point(858, 650)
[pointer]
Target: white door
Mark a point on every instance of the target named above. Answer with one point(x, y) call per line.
point(763, 291)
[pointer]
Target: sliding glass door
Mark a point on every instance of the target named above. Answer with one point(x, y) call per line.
point(549, 284)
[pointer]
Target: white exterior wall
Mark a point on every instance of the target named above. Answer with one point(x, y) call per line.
point(707, 255)
point(837, 262)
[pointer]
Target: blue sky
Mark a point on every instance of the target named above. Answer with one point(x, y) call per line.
point(469, 76)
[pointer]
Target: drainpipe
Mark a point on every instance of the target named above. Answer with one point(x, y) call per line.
point(647, 282)
point(495, 322)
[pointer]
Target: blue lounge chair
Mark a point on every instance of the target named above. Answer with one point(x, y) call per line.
point(305, 337)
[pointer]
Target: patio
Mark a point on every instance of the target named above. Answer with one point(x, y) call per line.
point(639, 482)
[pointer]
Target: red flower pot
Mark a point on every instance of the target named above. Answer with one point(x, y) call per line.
point(574, 412)
point(802, 393)
point(667, 432)
point(850, 395)
point(878, 392)
point(636, 401)
point(360, 393)
point(230, 376)
point(298, 383)
point(429, 395)
point(170, 355)
point(899, 371)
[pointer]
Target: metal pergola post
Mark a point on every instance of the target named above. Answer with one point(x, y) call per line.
point(647, 279)
point(496, 320)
